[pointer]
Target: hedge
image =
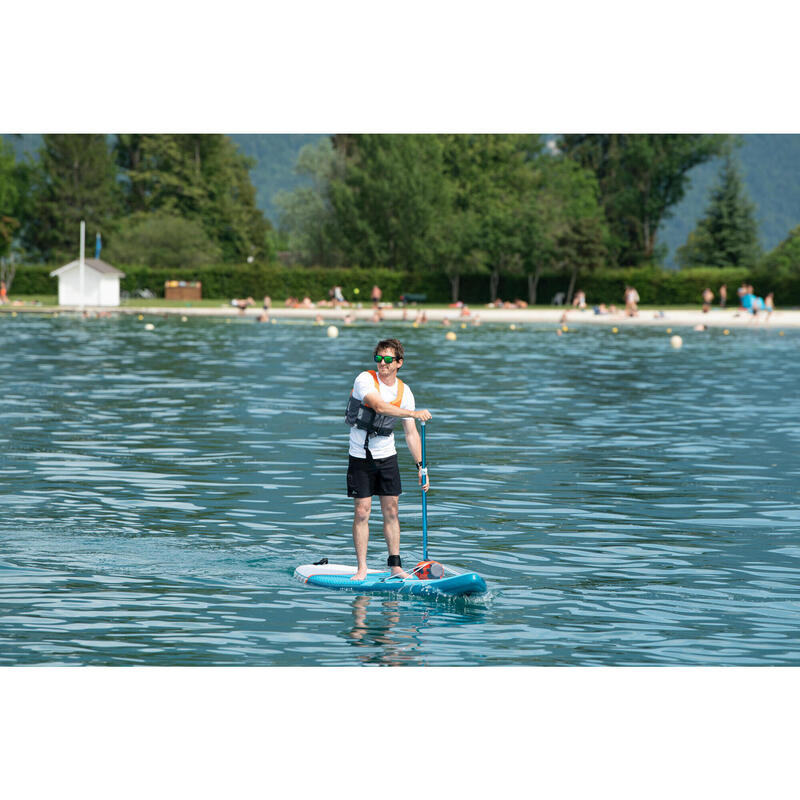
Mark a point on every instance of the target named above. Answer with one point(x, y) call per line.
point(656, 286)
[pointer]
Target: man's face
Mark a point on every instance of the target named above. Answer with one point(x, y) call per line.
point(386, 371)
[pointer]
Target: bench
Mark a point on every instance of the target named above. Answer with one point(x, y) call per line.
point(405, 299)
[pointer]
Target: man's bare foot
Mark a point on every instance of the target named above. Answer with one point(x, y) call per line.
point(397, 572)
point(360, 575)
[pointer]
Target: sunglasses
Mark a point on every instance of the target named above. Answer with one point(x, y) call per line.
point(386, 359)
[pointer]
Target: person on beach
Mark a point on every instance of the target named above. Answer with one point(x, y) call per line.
point(379, 398)
point(3, 293)
point(631, 301)
point(723, 295)
point(579, 301)
point(708, 299)
point(376, 296)
point(741, 293)
point(769, 305)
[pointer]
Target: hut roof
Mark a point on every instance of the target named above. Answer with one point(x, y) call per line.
point(93, 263)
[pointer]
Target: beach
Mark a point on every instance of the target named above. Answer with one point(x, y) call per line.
point(668, 318)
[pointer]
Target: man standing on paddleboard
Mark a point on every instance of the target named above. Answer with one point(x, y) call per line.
point(379, 398)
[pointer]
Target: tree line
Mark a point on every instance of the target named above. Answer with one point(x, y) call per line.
point(511, 205)
point(156, 199)
point(458, 205)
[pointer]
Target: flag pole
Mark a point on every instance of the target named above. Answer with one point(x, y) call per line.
point(83, 251)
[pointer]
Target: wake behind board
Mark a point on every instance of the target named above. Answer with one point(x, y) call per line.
point(337, 576)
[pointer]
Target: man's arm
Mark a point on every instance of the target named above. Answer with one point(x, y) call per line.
point(415, 446)
point(380, 406)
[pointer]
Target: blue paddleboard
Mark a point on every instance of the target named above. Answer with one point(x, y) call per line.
point(337, 576)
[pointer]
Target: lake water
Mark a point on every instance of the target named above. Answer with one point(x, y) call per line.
point(628, 503)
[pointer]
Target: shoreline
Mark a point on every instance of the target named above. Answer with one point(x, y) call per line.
point(716, 318)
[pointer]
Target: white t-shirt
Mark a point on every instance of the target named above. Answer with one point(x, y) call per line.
point(379, 446)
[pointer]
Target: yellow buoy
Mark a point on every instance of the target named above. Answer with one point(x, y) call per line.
point(140, 317)
point(450, 336)
point(669, 330)
point(780, 333)
point(564, 328)
point(463, 325)
point(273, 320)
point(415, 324)
point(615, 330)
point(13, 313)
point(512, 327)
point(726, 332)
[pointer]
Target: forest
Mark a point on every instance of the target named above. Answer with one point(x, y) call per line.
point(503, 212)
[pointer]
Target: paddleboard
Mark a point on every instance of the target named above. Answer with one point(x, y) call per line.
point(338, 576)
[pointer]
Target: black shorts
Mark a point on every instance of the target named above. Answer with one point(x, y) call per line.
point(369, 476)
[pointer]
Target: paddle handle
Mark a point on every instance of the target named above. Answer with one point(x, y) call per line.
point(424, 500)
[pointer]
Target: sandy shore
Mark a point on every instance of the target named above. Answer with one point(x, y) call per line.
point(716, 318)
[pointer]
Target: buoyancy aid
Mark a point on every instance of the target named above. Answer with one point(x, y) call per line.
point(366, 419)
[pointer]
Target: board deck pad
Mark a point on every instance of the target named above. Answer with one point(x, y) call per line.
point(338, 576)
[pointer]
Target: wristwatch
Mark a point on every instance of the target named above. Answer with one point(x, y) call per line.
point(419, 464)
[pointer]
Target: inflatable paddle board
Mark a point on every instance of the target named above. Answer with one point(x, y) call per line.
point(337, 576)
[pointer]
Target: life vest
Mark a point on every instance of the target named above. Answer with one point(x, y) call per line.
point(363, 417)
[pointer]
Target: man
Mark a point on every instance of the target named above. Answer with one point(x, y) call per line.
point(379, 398)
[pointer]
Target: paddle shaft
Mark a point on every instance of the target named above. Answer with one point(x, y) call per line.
point(424, 500)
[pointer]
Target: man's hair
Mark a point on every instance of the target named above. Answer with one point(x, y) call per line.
point(390, 344)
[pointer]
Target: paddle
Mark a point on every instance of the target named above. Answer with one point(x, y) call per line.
point(424, 500)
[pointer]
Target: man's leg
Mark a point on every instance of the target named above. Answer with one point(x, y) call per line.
point(363, 505)
point(391, 529)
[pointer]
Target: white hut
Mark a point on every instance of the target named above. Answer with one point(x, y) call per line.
point(100, 283)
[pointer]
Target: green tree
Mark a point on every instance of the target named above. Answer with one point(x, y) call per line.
point(783, 262)
point(564, 226)
point(492, 176)
point(386, 202)
point(13, 191)
point(74, 180)
point(306, 214)
point(162, 240)
point(641, 177)
point(727, 234)
point(201, 177)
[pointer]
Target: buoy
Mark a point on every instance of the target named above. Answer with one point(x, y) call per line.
point(615, 330)
point(140, 317)
point(450, 336)
point(415, 324)
point(726, 332)
point(676, 342)
point(565, 328)
point(333, 331)
point(512, 327)
point(149, 327)
point(273, 320)
point(669, 330)
point(780, 333)
point(13, 313)
point(463, 325)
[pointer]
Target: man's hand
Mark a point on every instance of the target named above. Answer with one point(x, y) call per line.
point(423, 415)
point(423, 473)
